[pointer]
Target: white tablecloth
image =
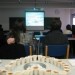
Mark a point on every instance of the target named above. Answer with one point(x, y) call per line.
point(72, 72)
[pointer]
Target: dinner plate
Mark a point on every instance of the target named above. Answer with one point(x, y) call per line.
point(34, 63)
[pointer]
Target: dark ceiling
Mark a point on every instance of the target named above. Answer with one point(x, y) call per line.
point(69, 3)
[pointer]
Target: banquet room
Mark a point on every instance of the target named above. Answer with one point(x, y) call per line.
point(26, 34)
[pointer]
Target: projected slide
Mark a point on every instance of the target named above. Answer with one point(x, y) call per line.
point(34, 19)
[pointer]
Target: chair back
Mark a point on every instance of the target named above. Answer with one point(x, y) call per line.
point(57, 50)
point(36, 33)
point(44, 33)
point(68, 35)
point(42, 39)
point(28, 50)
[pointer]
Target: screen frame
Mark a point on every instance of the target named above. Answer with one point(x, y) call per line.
point(35, 27)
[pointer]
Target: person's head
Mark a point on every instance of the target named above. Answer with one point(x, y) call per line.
point(20, 25)
point(19, 22)
point(11, 38)
point(55, 24)
point(68, 27)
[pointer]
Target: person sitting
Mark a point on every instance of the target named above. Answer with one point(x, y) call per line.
point(55, 36)
point(68, 29)
point(12, 50)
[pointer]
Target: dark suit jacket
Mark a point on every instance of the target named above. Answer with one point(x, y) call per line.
point(12, 51)
point(55, 37)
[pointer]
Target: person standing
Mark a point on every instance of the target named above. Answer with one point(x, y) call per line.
point(19, 29)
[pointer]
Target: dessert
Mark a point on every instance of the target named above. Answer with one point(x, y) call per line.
point(40, 67)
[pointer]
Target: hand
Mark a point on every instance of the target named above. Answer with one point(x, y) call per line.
point(10, 40)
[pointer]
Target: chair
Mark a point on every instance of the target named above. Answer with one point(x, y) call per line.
point(57, 50)
point(41, 39)
point(36, 33)
point(28, 50)
point(45, 33)
point(68, 35)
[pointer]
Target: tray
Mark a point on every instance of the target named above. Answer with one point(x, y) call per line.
point(34, 63)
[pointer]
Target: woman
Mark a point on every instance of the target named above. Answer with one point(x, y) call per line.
point(12, 50)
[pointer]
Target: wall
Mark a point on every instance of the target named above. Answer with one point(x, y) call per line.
point(63, 13)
